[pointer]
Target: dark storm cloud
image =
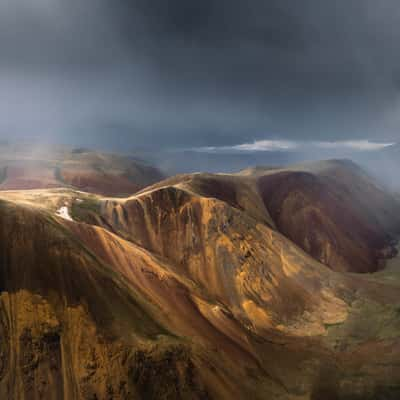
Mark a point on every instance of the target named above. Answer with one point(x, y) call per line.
point(179, 73)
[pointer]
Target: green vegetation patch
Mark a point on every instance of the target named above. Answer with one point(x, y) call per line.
point(367, 320)
point(85, 210)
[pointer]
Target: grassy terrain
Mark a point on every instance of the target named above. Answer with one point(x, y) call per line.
point(85, 209)
point(370, 319)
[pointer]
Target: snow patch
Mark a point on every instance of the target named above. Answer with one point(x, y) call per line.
point(64, 213)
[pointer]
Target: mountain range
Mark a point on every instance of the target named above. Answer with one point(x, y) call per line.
point(271, 283)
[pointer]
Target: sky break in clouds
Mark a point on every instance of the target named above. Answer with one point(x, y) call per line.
point(291, 145)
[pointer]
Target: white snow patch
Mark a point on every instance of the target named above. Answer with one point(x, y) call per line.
point(64, 213)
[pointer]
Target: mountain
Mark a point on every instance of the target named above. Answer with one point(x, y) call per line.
point(176, 161)
point(24, 167)
point(383, 164)
point(203, 286)
point(334, 211)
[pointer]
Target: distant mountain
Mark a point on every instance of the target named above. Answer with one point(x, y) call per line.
point(22, 167)
point(384, 164)
point(188, 161)
point(203, 286)
point(231, 161)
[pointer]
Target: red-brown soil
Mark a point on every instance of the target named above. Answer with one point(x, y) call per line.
point(103, 173)
point(97, 182)
point(28, 177)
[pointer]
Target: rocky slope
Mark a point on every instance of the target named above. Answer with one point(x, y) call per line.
point(194, 288)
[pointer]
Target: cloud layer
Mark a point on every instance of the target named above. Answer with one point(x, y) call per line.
point(185, 73)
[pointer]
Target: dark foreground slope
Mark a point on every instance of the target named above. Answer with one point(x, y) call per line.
point(70, 326)
point(187, 290)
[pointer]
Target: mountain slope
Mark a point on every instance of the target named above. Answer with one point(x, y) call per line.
point(238, 260)
point(334, 211)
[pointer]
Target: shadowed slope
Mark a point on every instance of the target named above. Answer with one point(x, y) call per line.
point(334, 212)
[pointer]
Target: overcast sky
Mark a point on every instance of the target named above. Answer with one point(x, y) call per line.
point(210, 73)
